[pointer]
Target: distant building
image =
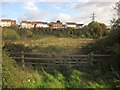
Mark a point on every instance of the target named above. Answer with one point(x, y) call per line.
point(79, 26)
point(26, 24)
point(71, 25)
point(37, 24)
point(45, 25)
point(56, 25)
point(7, 22)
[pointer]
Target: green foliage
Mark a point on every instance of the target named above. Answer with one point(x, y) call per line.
point(13, 75)
point(9, 34)
point(23, 32)
point(98, 85)
point(110, 45)
point(67, 32)
point(74, 80)
point(11, 47)
point(47, 80)
point(97, 29)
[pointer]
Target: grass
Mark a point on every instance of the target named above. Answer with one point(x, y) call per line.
point(15, 76)
point(64, 45)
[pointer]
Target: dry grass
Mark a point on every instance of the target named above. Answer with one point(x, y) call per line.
point(71, 45)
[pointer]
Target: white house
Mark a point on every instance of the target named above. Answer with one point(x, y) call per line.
point(79, 26)
point(37, 24)
point(70, 25)
point(45, 25)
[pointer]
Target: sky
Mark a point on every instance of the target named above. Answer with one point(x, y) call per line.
point(66, 11)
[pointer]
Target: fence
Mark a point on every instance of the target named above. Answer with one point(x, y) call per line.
point(51, 61)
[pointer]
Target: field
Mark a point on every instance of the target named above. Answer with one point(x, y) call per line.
point(55, 44)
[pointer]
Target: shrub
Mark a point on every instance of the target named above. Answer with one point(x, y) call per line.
point(24, 32)
point(46, 81)
point(11, 47)
point(9, 34)
point(13, 75)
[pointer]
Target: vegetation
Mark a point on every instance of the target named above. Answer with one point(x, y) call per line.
point(110, 44)
point(97, 29)
point(92, 30)
point(10, 34)
point(47, 44)
point(15, 76)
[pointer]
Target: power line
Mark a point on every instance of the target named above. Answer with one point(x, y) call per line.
point(93, 17)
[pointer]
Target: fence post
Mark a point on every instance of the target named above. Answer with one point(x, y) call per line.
point(91, 59)
point(22, 59)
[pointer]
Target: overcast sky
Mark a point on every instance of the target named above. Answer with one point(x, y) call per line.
point(66, 11)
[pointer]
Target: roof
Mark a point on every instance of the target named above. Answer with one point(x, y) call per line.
point(55, 23)
point(28, 22)
point(6, 20)
point(36, 22)
point(79, 24)
point(71, 23)
point(13, 20)
point(24, 22)
point(44, 22)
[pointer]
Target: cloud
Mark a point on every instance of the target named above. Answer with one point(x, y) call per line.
point(32, 15)
point(63, 17)
point(79, 12)
point(32, 12)
point(102, 11)
point(60, 0)
point(30, 6)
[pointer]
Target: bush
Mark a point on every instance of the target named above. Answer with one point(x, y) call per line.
point(23, 32)
point(9, 34)
point(46, 81)
point(13, 75)
point(11, 47)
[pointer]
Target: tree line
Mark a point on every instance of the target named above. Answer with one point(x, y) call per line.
point(92, 30)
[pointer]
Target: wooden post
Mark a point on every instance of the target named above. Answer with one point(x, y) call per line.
point(22, 59)
point(91, 59)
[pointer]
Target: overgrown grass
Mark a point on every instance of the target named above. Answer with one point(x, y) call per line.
point(15, 76)
point(53, 44)
point(9, 34)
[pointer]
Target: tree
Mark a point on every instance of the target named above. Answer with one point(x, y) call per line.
point(97, 29)
point(103, 30)
point(115, 33)
point(94, 28)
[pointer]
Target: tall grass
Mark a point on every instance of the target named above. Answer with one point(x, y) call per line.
point(15, 76)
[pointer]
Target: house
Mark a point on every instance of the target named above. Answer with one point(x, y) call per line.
point(70, 25)
point(45, 25)
point(7, 22)
point(23, 24)
point(56, 25)
point(79, 26)
point(29, 25)
point(13, 22)
point(26, 24)
point(37, 24)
